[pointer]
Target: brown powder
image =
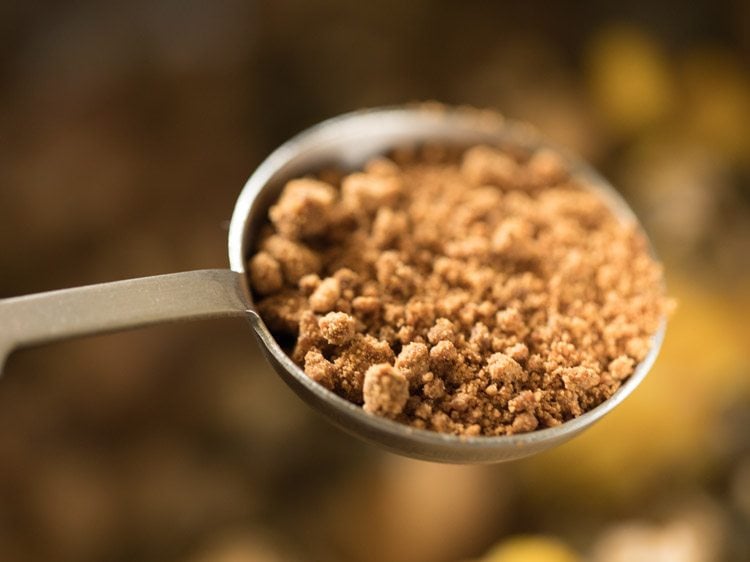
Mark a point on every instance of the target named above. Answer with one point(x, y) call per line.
point(486, 293)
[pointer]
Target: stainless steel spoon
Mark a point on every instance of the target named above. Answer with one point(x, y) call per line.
point(348, 142)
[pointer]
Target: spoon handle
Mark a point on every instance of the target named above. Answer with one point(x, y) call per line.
point(108, 307)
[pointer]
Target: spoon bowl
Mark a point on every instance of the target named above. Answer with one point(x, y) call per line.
point(347, 142)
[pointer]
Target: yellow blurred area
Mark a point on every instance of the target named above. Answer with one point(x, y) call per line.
point(630, 80)
point(531, 549)
point(717, 93)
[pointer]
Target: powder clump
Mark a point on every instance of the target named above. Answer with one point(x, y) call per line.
point(385, 390)
point(479, 292)
point(302, 208)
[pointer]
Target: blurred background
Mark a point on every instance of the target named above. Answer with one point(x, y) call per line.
point(126, 132)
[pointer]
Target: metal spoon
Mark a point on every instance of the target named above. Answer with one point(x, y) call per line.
point(348, 142)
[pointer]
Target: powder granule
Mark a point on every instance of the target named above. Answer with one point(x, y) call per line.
point(482, 293)
point(296, 259)
point(485, 165)
point(303, 208)
point(265, 274)
point(319, 369)
point(413, 361)
point(337, 328)
point(546, 167)
point(621, 367)
point(369, 192)
point(504, 369)
point(385, 390)
point(325, 296)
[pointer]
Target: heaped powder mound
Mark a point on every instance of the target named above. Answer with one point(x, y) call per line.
point(476, 292)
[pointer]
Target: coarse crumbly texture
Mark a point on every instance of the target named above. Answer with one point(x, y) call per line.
point(477, 293)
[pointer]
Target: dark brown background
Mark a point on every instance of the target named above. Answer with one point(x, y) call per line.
point(126, 132)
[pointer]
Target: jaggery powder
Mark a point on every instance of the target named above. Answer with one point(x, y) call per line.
point(476, 292)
